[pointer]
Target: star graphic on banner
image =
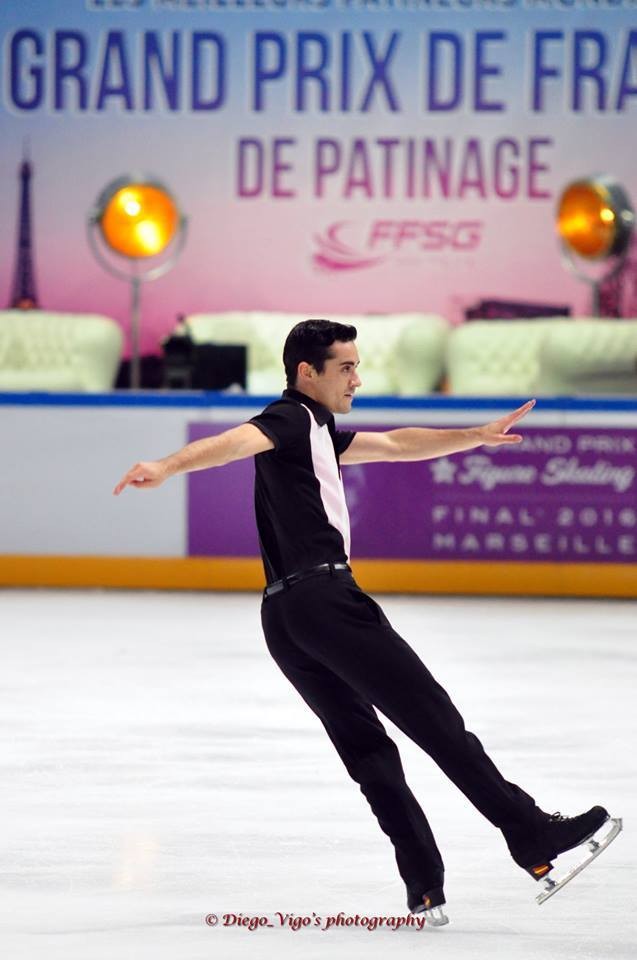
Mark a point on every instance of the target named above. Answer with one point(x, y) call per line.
point(443, 470)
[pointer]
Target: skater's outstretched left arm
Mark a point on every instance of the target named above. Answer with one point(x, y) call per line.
point(425, 443)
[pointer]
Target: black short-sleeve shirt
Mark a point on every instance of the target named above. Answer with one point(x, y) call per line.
point(299, 500)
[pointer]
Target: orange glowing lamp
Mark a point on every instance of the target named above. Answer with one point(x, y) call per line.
point(136, 218)
point(594, 218)
point(594, 221)
point(139, 220)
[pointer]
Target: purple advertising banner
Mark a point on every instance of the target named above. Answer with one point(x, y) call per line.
point(563, 494)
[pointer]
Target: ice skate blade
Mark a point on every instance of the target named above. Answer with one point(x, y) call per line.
point(434, 916)
point(595, 846)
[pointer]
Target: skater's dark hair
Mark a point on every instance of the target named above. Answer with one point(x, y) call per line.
point(310, 341)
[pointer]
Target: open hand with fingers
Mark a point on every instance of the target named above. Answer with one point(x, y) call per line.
point(497, 432)
point(143, 475)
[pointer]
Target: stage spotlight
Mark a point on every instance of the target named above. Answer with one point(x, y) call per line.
point(136, 218)
point(139, 220)
point(594, 221)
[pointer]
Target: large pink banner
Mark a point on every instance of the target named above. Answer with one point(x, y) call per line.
point(331, 156)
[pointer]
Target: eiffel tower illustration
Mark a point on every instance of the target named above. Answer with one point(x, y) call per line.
point(24, 296)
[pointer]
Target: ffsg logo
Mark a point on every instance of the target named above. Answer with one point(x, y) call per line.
point(346, 245)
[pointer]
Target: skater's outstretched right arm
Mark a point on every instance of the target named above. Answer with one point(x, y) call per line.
point(235, 444)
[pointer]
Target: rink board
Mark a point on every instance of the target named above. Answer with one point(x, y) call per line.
point(555, 515)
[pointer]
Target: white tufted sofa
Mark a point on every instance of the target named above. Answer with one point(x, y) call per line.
point(557, 356)
point(401, 353)
point(45, 350)
point(595, 356)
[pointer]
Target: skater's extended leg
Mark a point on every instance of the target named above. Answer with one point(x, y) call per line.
point(368, 654)
point(369, 755)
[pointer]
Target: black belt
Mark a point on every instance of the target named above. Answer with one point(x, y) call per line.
point(286, 582)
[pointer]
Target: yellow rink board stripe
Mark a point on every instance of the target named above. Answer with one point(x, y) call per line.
point(384, 576)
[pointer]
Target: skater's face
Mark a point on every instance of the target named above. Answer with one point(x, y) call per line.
point(336, 385)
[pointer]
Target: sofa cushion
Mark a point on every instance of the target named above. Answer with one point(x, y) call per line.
point(497, 357)
point(48, 350)
point(400, 353)
point(590, 356)
point(49, 381)
point(545, 357)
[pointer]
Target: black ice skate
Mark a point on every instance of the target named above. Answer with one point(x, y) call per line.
point(430, 903)
point(565, 833)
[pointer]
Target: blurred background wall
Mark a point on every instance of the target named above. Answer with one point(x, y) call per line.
point(455, 178)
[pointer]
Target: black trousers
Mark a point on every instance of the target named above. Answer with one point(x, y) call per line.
point(336, 646)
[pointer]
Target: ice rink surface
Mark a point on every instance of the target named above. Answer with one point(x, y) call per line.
point(157, 767)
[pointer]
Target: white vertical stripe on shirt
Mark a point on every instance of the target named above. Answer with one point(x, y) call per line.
point(331, 485)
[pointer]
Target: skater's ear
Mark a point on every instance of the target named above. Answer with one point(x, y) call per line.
point(305, 371)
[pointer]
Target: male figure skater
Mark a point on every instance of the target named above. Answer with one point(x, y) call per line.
point(333, 641)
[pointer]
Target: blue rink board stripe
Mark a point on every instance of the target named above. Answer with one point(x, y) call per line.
point(211, 399)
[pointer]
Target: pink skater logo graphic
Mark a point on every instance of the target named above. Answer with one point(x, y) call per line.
point(335, 254)
point(347, 245)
